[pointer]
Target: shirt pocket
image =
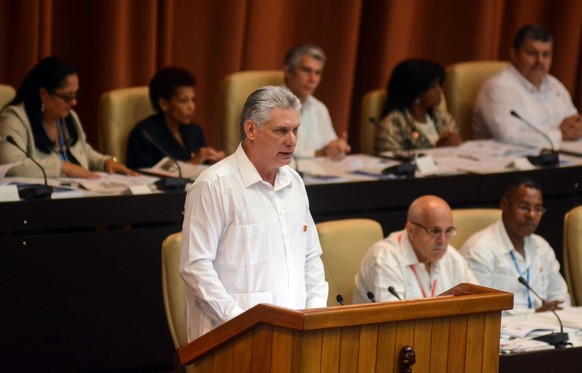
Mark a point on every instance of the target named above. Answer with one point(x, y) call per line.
point(246, 245)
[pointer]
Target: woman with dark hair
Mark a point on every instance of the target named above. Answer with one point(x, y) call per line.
point(411, 119)
point(173, 97)
point(41, 120)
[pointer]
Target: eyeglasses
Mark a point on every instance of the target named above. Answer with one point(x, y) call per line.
point(538, 210)
point(67, 98)
point(436, 231)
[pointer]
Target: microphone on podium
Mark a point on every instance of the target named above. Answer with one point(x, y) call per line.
point(371, 296)
point(392, 291)
point(547, 157)
point(340, 299)
point(167, 183)
point(555, 339)
point(407, 167)
point(32, 191)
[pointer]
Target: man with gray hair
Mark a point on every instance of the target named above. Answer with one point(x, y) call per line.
point(248, 236)
point(303, 69)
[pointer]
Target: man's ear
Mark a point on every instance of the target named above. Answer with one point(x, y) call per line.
point(163, 103)
point(250, 130)
point(504, 204)
point(513, 54)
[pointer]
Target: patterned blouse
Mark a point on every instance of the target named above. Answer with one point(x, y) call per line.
point(398, 127)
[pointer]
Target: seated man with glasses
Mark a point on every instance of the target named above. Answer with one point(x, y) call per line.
point(417, 262)
point(509, 249)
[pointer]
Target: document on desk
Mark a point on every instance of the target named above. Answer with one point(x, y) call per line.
point(109, 183)
point(572, 147)
point(167, 167)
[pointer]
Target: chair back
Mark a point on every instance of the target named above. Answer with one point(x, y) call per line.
point(471, 221)
point(372, 106)
point(7, 93)
point(344, 243)
point(174, 289)
point(119, 111)
point(462, 84)
point(572, 254)
point(234, 91)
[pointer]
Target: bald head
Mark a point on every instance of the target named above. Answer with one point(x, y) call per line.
point(427, 216)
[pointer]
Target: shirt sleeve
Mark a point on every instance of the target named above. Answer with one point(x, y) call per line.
point(315, 285)
point(557, 289)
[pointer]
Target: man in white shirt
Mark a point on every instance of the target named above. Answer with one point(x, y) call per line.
point(303, 69)
point(508, 249)
point(248, 236)
point(527, 88)
point(417, 262)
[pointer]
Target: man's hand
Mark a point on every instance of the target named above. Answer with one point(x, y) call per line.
point(571, 128)
point(338, 148)
point(550, 305)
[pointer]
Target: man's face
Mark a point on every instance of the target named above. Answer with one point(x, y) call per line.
point(275, 143)
point(431, 247)
point(305, 79)
point(523, 212)
point(533, 60)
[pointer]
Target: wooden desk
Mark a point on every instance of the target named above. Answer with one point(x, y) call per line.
point(81, 278)
point(565, 360)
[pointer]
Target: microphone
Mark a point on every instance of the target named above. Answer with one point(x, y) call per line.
point(407, 167)
point(32, 191)
point(167, 183)
point(547, 157)
point(340, 299)
point(371, 297)
point(557, 340)
point(392, 291)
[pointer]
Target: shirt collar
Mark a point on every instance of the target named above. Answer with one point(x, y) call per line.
point(251, 176)
point(526, 83)
point(529, 244)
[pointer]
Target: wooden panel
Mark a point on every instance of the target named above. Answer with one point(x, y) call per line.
point(491, 342)
point(262, 342)
point(422, 344)
point(440, 344)
point(457, 344)
point(311, 351)
point(475, 334)
point(349, 349)
point(222, 359)
point(298, 337)
point(404, 337)
point(282, 355)
point(368, 348)
point(385, 350)
point(330, 353)
point(203, 365)
point(242, 352)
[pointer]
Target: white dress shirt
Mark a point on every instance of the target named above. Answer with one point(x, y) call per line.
point(247, 242)
point(489, 254)
point(315, 130)
point(392, 262)
point(509, 90)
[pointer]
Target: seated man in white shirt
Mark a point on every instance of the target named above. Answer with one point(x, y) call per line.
point(508, 249)
point(303, 69)
point(248, 236)
point(527, 88)
point(417, 262)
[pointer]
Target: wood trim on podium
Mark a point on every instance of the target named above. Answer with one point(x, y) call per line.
point(457, 331)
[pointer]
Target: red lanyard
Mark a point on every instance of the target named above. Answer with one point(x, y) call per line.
point(420, 285)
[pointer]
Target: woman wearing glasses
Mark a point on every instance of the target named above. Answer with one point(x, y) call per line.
point(41, 121)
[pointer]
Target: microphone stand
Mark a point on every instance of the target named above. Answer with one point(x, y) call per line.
point(32, 191)
point(547, 157)
point(166, 182)
point(406, 167)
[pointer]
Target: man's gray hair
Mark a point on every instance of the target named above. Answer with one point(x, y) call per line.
point(294, 56)
point(262, 102)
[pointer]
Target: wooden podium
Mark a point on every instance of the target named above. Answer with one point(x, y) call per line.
point(457, 331)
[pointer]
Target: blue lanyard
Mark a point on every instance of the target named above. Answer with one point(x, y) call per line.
point(61, 141)
point(529, 305)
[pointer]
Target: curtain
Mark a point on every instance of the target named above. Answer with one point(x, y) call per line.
point(121, 43)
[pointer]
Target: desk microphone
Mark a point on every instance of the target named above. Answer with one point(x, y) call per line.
point(167, 183)
point(555, 339)
point(407, 167)
point(547, 157)
point(371, 297)
point(32, 191)
point(340, 299)
point(392, 291)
